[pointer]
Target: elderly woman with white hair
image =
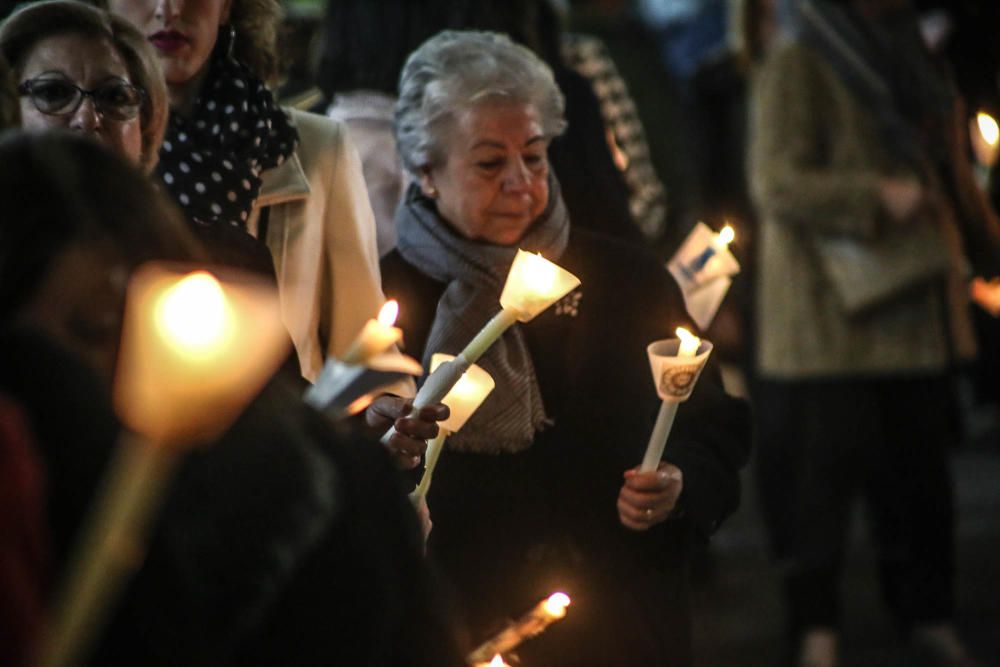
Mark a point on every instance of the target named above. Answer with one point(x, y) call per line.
point(540, 490)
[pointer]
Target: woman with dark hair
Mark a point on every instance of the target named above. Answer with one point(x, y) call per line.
point(10, 109)
point(540, 490)
point(283, 542)
point(233, 158)
point(77, 220)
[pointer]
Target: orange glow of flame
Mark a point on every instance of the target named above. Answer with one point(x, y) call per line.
point(555, 605)
point(389, 312)
point(988, 128)
point(689, 343)
point(193, 315)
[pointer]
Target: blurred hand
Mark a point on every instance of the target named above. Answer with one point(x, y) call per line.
point(424, 516)
point(648, 498)
point(986, 294)
point(901, 198)
point(409, 441)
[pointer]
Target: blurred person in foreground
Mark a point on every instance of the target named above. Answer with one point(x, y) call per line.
point(855, 140)
point(540, 491)
point(283, 542)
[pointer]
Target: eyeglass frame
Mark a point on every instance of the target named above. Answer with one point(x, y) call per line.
point(24, 90)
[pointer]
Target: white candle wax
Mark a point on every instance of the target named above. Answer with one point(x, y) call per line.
point(530, 624)
point(687, 349)
point(489, 335)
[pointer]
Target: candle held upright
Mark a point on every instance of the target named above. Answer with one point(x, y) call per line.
point(676, 364)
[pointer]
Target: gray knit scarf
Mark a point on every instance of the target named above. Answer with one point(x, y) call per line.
point(475, 273)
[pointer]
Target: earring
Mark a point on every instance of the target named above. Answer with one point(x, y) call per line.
point(432, 192)
point(230, 37)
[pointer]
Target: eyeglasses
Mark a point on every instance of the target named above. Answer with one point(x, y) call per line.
point(115, 99)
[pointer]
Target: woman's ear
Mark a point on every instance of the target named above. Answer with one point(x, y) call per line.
point(227, 9)
point(427, 184)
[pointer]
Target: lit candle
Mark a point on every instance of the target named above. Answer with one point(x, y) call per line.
point(463, 400)
point(376, 337)
point(687, 350)
point(194, 351)
point(532, 623)
point(533, 284)
point(985, 136)
point(719, 243)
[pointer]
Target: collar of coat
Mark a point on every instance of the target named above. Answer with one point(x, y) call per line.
point(286, 182)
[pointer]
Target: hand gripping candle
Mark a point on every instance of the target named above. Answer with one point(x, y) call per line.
point(533, 284)
point(676, 364)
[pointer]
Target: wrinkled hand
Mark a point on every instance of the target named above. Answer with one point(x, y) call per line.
point(986, 294)
point(409, 441)
point(648, 498)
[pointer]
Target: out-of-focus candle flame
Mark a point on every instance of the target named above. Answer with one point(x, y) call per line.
point(497, 661)
point(988, 128)
point(192, 315)
point(389, 312)
point(555, 605)
point(689, 343)
point(727, 235)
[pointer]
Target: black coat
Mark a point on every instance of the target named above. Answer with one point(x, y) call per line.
point(509, 529)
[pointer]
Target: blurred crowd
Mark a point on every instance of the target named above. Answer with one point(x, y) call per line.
point(338, 155)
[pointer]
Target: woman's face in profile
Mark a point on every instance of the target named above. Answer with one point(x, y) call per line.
point(493, 183)
point(59, 65)
point(183, 32)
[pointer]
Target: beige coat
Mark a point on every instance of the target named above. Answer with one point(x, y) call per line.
point(814, 163)
point(321, 233)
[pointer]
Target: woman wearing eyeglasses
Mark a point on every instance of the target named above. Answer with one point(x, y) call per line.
point(86, 70)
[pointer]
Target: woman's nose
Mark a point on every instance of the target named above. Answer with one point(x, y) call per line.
point(517, 176)
point(86, 118)
point(166, 10)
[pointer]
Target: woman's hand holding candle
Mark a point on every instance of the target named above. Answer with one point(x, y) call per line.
point(411, 430)
point(648, 498)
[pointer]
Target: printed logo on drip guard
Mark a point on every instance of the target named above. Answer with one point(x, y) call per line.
point(678, 381)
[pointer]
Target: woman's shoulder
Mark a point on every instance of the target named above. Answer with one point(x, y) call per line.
point(322, 140)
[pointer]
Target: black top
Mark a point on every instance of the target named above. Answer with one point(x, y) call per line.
point(509, 529)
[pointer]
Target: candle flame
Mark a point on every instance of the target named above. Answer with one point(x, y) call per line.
point(555, 605)
point(727, 235)
point(192, 315)
point(389, 312)
point(988, 128)
point(497, 661)
point(540, 274)
point(689, 343)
